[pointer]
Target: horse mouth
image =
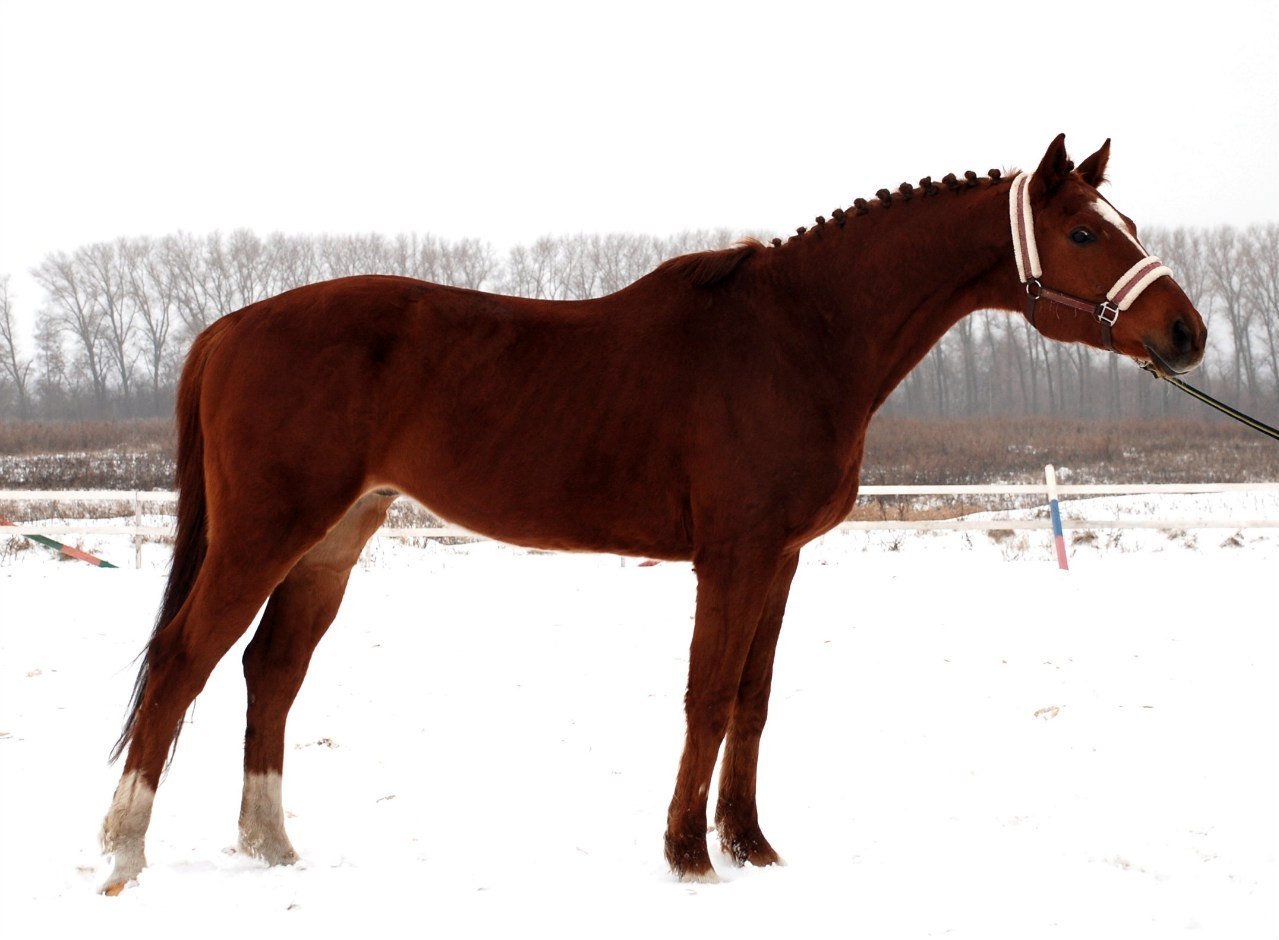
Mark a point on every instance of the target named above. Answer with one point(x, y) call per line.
point(1160, 366)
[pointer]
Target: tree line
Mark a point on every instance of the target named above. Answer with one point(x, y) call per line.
point(116, 318)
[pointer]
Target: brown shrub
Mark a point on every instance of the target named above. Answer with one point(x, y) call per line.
point(139, 454)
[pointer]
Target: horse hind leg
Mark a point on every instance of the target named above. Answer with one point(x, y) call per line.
point(243, 565)
point(179, 660)
point(275, 663)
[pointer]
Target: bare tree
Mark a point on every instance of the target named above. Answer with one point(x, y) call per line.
point(248, 262)
point(347, 255)
point(15, 369)
point(468, 263)
point(966, 332)
point(127, 309)
point(530, 269)
point(222, 279)
point(293, 263)
point(619, 260)
point(152, 293)
point(412, 255)
point(104, 265)
point(1261, 289)
point(74, 310)
point(51, 365)
point(1224, 257)
point(181, 259)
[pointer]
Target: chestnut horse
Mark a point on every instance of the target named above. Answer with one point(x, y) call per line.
point(714, 410)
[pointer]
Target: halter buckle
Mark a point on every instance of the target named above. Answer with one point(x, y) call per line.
point(1034, 288)
point(1107, 313)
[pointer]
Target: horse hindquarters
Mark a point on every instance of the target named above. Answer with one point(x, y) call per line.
point(251, 549)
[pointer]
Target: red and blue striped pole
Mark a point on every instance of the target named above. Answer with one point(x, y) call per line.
point(1054, 509)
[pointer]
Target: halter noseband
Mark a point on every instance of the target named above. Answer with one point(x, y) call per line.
point(1118, 299)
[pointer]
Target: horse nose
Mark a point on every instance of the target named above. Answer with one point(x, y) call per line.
point(1187, 338)
point(1183, 340)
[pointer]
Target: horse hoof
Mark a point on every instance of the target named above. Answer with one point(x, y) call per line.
point(707, 877)
point(756, 859)
point(113, 888)
point(689, 859)
point(747, 845)
point(272, 852)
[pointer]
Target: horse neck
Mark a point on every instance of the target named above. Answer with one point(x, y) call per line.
point(890, 283)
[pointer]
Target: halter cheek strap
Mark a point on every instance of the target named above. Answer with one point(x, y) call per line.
point(1118, 299)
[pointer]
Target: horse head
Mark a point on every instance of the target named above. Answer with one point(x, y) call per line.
point(1078, 255)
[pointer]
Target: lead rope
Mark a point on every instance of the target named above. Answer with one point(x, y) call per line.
point(1225, 409)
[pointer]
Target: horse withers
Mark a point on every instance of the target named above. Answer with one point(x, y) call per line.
point(714, 410)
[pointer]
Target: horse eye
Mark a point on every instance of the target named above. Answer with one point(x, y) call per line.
point(1081, 236)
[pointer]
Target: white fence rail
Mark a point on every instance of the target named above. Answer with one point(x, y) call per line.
point(148, 502)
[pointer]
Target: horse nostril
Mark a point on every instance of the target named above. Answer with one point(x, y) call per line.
point(1182, 338)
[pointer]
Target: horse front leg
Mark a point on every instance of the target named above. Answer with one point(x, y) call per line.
point(736, 814)
point(732, 589)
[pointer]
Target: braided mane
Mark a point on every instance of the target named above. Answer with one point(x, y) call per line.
point(708, 268)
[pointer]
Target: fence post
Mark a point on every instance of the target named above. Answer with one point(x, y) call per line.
point(1059, 536)
point(137, 531)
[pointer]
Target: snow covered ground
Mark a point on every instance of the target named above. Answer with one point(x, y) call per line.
point(964, 741)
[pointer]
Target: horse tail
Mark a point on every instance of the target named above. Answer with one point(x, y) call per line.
point(191, 541)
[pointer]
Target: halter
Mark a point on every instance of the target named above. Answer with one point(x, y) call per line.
point(1118, 299)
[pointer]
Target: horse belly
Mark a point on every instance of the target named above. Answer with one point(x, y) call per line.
point(551, 485)
point(558, 517)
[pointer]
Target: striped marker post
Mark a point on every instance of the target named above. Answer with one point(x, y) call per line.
point(66, 550)
point(1054, 509)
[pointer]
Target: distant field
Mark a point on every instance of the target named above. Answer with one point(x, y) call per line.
point(139, 454)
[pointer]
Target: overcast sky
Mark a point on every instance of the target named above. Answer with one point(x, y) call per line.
point(505, 121)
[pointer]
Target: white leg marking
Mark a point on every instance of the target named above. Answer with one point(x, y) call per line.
point(125, 828)
point(262, 832)
point(700, 878)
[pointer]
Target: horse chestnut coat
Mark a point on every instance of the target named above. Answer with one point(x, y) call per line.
point(714, 410)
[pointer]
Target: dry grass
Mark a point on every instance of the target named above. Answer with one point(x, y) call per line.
point(72, 455)
point(1014, 450)
point(130, 455)
point(906, 451)
point(155, 435)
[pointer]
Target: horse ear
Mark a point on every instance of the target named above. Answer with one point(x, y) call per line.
point(1093, 170)
point(1054, 167)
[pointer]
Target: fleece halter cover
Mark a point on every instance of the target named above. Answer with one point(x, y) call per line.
point(1118, 299)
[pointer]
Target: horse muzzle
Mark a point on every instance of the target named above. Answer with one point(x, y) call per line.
point(1181, 349)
